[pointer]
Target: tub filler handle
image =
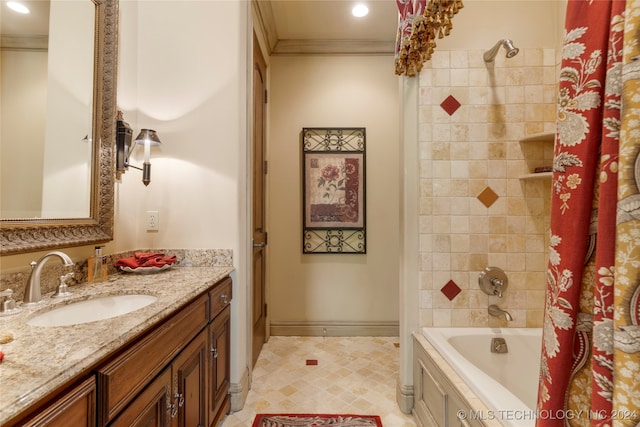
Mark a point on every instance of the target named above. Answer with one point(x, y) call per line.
point(493, 281)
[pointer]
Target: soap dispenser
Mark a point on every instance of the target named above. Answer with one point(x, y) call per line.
point(97, 267)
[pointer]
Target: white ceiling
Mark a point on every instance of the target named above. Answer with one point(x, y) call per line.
point(327, 26)
point(34, 24)
point(291, 26)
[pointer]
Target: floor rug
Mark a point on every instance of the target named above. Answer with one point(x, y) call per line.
point(316, 420)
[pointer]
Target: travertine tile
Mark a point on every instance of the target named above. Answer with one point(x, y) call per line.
point(353, 375)
point(459, 262)
point(479, 147)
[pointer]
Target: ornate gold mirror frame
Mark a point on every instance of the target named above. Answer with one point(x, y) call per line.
point(30, 235)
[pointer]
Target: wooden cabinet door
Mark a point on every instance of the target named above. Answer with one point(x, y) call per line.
point(121, 379)
point(177, 398)
point(219, 366)
point(189, 384)
point(75, 408)
point(151, 408)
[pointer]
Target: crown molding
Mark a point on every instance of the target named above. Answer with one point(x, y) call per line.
point(264, 23)
point(37, 43)
point(265, 26)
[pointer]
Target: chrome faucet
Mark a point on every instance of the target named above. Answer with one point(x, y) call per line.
point(496, 311)
point(32, 294)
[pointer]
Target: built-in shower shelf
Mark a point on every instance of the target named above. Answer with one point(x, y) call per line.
point(542, 137)
point(539, 175)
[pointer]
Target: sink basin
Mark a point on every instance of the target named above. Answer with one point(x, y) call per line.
point(91, 310)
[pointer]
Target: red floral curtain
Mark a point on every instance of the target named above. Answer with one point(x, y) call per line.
point(420, 23)
point(592, 262)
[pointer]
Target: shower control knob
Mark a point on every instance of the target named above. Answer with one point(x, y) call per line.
point(493, 281)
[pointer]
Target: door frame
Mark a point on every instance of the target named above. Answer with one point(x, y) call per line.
point(255, 34)
point(258, 57)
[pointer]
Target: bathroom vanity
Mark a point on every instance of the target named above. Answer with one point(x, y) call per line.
point(166, 364)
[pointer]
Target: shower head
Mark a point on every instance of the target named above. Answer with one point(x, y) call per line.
point(512, 51)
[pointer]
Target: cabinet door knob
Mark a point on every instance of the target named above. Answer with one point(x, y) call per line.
point(223, 298)
point(214, 352)
point(180, 398)
point(171, 408)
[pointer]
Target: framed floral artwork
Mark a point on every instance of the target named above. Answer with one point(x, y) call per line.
point(334, 202)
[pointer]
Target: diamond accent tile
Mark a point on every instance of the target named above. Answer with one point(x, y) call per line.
point(450, 105)
point(488, 197)
point(451, 290)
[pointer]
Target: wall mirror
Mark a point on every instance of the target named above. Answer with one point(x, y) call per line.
point(57, 124)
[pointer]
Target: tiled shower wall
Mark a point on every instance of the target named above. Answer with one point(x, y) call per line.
point(475, 211)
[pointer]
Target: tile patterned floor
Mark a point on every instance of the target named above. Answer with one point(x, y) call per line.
point(353, 375)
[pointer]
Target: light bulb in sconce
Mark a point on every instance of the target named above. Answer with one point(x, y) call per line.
point(147, 138)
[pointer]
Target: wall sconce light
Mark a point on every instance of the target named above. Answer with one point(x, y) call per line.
point(124, 148)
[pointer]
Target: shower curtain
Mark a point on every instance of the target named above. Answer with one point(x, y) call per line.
point(590, 365)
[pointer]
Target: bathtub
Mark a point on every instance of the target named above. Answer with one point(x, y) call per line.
point(494, 389)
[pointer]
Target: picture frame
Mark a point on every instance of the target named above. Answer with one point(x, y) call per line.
point(334, 190)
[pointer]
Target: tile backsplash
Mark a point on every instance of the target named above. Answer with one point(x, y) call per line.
point(475, 211)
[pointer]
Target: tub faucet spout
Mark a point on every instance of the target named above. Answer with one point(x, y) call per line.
point(32, 294)
point(496, 311)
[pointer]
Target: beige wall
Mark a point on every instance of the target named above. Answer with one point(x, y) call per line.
point(24, 87)
point(170, 82)
point(45, 163)
point(328, 91)
point(529, 23)
point(194, 94)
point(67, 155)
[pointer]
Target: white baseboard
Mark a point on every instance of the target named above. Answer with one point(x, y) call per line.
point(239, 391)
point(335, 329)
point(404, 397)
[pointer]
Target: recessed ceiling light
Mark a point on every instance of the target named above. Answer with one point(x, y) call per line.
point(18, 7)
point(360, 10)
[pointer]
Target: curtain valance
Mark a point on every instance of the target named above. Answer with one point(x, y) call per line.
point(420, 23)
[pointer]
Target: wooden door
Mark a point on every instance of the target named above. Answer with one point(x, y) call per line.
point(259, 234)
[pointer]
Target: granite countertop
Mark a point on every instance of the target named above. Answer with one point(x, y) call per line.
point(40, 359)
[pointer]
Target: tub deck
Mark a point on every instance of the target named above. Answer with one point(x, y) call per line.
point(451, 391)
